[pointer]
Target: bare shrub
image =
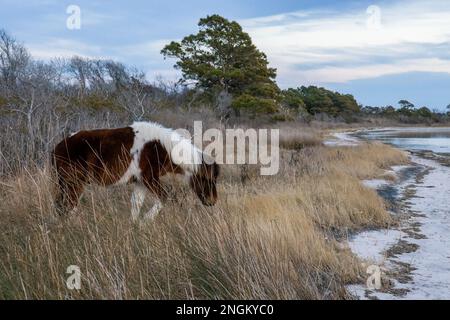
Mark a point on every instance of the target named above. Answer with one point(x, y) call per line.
point(298, 138)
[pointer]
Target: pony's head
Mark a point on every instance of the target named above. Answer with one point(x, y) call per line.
point(203, 182)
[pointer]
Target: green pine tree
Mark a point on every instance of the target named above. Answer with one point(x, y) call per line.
point(222, 58)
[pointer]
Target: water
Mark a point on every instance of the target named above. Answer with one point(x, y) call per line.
point(436, 140)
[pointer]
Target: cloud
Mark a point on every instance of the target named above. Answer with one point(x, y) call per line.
point(151, 60)
point(64, 48)
point(146, 54)
point(344, 74)
point(334, 46)
point(307, 47)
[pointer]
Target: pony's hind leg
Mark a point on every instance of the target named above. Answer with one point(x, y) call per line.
point(157, 189)
point(68, 195)
point(137, 200)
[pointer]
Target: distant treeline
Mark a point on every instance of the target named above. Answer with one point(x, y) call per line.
point(311, 101)
point(407, 112)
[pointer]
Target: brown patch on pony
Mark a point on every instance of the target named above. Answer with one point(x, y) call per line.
point(154, 163)
point(101, 156)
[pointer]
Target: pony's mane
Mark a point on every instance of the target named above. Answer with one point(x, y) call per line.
point(147, 131)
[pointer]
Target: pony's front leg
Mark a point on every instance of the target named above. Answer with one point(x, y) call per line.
point(137, 200)
point(161, 194)
point(151, 214)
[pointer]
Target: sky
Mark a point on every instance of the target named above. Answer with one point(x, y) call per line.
point(379, 51)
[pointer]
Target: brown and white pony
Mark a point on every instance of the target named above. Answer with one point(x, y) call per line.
point(138, 154)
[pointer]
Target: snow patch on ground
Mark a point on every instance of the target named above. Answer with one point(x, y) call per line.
point(370, 245)
point(340, 139)
point(379, 183)
point(431, 279)
point(431, 261)
point(375, 183)
point(430, 209)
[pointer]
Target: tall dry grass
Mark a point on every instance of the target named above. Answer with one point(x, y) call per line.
point(295, 139)
point(267, 238)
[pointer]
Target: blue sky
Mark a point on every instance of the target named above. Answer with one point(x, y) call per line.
point(379, 51)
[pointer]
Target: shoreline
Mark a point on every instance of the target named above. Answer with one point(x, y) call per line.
point(411, 253)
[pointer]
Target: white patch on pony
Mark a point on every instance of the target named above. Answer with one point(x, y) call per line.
point(182, 152)
point(73, 133)
point(173, 142)
point(133, 169)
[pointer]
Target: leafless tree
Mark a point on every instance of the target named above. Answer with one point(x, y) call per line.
point(40, 102)
point(14, 59)
point(80, 68)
